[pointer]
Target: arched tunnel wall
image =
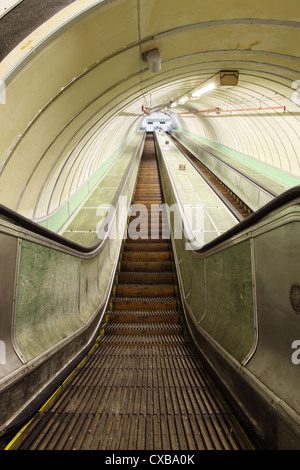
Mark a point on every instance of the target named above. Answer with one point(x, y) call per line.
point(73, 90)
point(76, 84)
point(268, 135)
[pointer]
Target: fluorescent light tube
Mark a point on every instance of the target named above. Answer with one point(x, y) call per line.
point(203, 90)
point(183, 100)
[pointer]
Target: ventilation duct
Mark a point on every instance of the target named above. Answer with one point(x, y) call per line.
point(153, 59)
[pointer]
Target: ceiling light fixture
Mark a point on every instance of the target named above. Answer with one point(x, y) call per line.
point(183, 100)
point(224, 78)
point(203, 90)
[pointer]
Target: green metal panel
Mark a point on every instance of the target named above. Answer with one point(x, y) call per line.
point(57, 220)
point(218, 288)
point(78, 197)
point(222, 298)
point(47, 301)
point(261, 170)
point(90, 298)
point(115, 165)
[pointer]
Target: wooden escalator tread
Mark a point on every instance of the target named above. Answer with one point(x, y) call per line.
point(142, 387)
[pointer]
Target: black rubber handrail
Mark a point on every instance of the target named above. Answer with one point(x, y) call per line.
point(36, 229)
point(235, 170)
point(279, 201)
point(21, 221)
point(227, 203)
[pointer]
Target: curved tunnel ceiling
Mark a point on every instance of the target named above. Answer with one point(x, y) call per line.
point(75, 87)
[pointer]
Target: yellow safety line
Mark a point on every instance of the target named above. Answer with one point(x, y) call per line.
point(18, 436)
point(231, 415)
point(242, 433)
point(102, 332)
point(50, 399)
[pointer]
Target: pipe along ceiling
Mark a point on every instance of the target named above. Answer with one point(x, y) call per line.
point(73, 90)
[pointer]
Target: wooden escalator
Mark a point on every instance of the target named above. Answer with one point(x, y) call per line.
point(142, 387)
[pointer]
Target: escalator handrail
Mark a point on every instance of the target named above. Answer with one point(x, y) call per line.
point(235, 213)
point(232, 168)
point(82, 250)
point(276, 203)
point(36, 229)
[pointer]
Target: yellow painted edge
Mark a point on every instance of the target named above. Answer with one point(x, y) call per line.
point(18, 436)
point(242, 433)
